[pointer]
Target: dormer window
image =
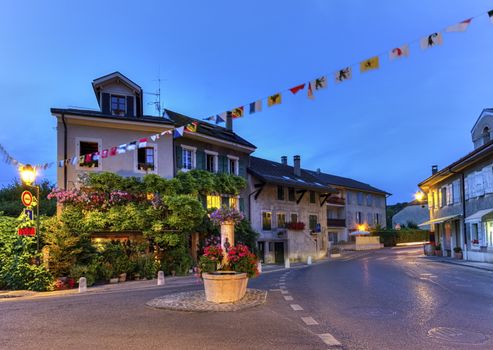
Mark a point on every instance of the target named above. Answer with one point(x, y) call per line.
point(486, 135)
point(118, 105)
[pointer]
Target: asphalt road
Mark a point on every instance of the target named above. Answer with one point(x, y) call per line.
point(388, 299)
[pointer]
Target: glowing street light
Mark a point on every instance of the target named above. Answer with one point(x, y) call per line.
point(419, 196)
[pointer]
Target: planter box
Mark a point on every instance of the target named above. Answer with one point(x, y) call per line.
point(224, 286)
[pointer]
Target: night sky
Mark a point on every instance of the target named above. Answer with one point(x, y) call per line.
point(385, 127)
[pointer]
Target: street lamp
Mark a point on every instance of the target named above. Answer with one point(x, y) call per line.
point(419, 196)
point(28, 176)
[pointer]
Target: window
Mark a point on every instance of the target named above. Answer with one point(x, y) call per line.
point(266, 220)
point(486, 135)
point(233, 202)
point(359, 217)
point(360, 198)
point(146, 159)
point(213, 202)
point(369, 200)
point(312, 197)
point(118, 105)
point(455, 191)
point(294, 217)
point(377, 219)
point(211, 161)
point(312, 222)
point(87, 151)
point(349, 197)
point(188, 158)
point(233, 165)
point(291, 196)
point(475, 233)
point(333, 237)
point(280, 193)
point(369, 219)
point(281, 220)
point(443, 195)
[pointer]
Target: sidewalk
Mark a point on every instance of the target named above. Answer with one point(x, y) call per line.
point(472, 264)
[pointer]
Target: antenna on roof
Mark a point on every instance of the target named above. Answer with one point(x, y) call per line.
point(157, 94)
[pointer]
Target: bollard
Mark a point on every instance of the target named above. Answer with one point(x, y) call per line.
point(286, 264)
point(259, 267)
point(82, 285)
point(160, 278)
point(309, 260)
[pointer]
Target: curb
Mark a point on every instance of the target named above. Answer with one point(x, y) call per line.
point(451, 262)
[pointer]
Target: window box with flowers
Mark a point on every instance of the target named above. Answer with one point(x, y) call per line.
point(296, 226)
point(226, 268)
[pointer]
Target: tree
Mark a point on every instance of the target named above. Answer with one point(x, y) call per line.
point(10, 199)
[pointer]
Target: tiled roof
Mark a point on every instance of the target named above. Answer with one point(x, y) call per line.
point(277, 173)
point(172, 119)
point(344, 182)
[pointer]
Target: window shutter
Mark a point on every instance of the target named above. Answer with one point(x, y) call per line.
point(105, 103)
point(440, 203)
point(179, 163)
point(467, 187)
point(130, 106)
point(242, 168)
point(223, 165)
point(242, 204)
point(200, 160)
point(488, 179)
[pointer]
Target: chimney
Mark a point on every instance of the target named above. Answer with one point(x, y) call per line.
point(434, 169)
point(284, 160)
point(229, 121)
point(297, 165)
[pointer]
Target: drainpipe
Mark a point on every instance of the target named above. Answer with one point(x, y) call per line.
point(64, 152)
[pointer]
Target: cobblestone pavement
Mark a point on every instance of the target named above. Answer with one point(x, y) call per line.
point(195, 301)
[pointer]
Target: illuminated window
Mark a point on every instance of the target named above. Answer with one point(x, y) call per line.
point(145, 159)
point(87, 152)
point(266, 220)
point(281, 220)
point(213, 202)
point(233, 202)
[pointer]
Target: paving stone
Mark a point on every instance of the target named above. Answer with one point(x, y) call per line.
point(195, 301)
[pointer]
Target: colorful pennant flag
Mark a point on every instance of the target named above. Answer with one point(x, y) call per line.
point(143, 142)
point(113, 151)
point(459, 27)
point(399, 52)
point(490, 14)
point(95, 157)
point(369, 64)
point(73, 161)
point(296, 89)
point(192, 127)
point(320, 83)
point(310, 94)
point(211, 118)
point(81, 160)
point(221, 118)
point(237, 112)
point(256, 106)
point(104, 154)
point(274, 100)
point(88, 158)
point(132, 146)
point(178, 132)
point(154, 137)
point(343, 74)
point(121, 149)
point(431, 40)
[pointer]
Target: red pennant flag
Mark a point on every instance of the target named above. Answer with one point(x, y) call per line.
point(295, 89)
point(88, 158)
point(113, 151)
point(105, 153)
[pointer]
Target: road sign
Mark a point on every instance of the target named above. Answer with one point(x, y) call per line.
point(28, 213)
point(27, 231)
point(27, 198)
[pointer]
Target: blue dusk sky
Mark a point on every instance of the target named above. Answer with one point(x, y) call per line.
point(385, 127)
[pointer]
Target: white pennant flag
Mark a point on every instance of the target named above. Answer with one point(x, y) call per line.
point(459, 27)
point(399, 52)
point(431, 40)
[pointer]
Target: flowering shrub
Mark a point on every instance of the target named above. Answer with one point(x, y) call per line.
point(226, 214)
point(92, 200)
point(242, 260)
point(212, 259)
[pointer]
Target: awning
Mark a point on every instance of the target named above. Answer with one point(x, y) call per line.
point(439, 220)
point(478, 216)
point(359, 233)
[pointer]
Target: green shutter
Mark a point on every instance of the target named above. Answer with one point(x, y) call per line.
point(223, 165)
point(179, 164)
point(203, 200)
point(200, 160)
point(242, 204)
point(242, 168)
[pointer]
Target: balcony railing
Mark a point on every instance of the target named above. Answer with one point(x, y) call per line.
point(336, 200)
point(336, 222)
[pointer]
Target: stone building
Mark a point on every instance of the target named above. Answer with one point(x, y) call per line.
point(460, 198)
point(413, 213)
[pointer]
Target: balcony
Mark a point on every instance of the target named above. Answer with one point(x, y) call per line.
point(336, 222)
point(336, 201)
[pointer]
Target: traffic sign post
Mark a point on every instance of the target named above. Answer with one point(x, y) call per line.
point(27, 198)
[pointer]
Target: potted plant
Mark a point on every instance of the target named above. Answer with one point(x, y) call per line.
point(458, 253)
point(226, 268)
point(438, 250)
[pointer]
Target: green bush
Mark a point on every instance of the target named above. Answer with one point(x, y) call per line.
point(146, 266)
point(176, 259)
point(87, 271)
point(391, 238)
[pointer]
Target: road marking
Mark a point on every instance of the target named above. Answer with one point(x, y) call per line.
point(296, 307)
point(284, 292)
point(288, 297)
point(329, 339)
point(309, 321)
point(275, 290)
point(282, 284)
point(382, 258)
point(425, 274)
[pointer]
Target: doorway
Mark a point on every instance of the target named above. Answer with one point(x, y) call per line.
point(279, 252)
point(261, 251)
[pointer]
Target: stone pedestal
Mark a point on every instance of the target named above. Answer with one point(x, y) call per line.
point(224, 286)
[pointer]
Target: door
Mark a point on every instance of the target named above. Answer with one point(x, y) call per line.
point(279, 252)
point(447, 236)
point(261, 251)
point(489, 234)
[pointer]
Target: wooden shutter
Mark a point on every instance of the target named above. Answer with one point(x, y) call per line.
point(130, 106)
point(105, 103)
point(178, 160)
point(242, 168)
point(242, 204)
point(200, 162)
point(223, 164)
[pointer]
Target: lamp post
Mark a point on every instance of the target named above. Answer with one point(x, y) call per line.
point(28, 176)
point(420, 196)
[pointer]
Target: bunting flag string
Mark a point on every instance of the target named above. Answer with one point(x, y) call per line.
point(364, 66)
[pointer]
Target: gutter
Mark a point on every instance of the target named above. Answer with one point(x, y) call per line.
point(64, 151)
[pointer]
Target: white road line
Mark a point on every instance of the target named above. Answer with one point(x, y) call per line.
point(284, 292)
point(329, 339)
point(382, 258)
point(425, 274)
point(309, 321)
point(274, 290)
point(288, 297)
point(296, 307)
